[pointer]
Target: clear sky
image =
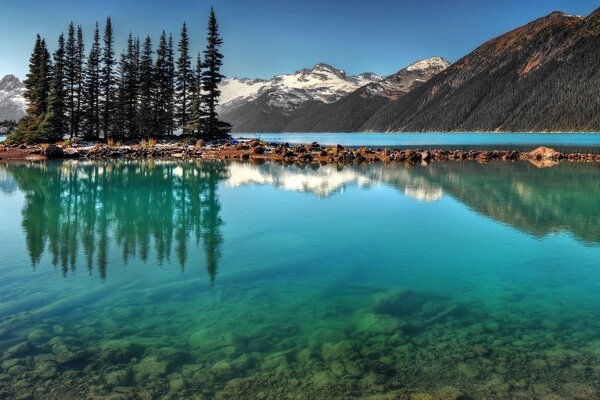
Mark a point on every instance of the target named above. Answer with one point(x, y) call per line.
point(268, 37)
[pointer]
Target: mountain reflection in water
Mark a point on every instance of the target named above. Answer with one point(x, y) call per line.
point(157, 209)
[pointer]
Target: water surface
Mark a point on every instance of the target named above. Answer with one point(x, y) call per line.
point(566, 142)
point(214, 280)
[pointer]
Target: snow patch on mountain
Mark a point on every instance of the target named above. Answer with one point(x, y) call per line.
point(12, 102)
point(407, 78)
point(322, 83)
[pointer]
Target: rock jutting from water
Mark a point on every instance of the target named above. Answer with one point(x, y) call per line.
point(302, 154)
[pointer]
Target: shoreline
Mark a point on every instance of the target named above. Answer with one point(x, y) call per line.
point(255, 149)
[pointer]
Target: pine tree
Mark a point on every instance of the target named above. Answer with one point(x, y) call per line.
point(171, 87)
point(197, 110)
point(107, 82)
point(146, 78)
point(211, 78)
point(120, 116)
point(161, 78)
point(55, 123)
point(128, 88)
point(184, 81)
point(37, 87)
point(38, 79)
point(92, 89)
point(79, 79)
point(71, 77)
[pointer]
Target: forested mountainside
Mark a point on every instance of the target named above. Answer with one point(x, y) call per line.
point(544, 76)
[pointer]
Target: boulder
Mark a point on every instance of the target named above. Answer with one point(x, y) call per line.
point(53, 151)
point(544, 153)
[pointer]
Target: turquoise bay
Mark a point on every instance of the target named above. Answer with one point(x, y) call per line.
point(230, 280)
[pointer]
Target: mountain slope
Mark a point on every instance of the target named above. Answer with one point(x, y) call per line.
point(543, 76)
point(320, 99)
point(350, 112)
point(12, 102)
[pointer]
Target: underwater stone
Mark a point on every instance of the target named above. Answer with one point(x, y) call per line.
point(323, 379)
point(305, 356)
point(18, 349)
point(209, 340)
point(37, 335)
point(176, 382)
point(8, 364)
point(377, 324)
point(337, 351)
point(150, 367)
point(64, 354)
point(171, 355)
point(324, 335)
point(242, 362)
point(221, 369)
point(398, 302)
point(119, 351)
point(118, 378)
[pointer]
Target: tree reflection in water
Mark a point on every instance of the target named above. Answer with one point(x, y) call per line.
point(81, 209)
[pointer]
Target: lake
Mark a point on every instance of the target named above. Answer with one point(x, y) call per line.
point(210, 280)
point(565, 142)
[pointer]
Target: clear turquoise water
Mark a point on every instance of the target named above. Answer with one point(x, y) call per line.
point(573, 142)
point(219, 281)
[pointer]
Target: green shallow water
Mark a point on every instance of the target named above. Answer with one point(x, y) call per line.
point(163, 280)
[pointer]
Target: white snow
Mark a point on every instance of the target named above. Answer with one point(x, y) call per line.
point(322, 83)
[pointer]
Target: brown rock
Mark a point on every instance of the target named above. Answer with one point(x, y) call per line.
point(544, 153)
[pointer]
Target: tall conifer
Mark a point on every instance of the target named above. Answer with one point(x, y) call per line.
point(211, 78)
point(92, 89)
point(107, 82)
point(184, 78)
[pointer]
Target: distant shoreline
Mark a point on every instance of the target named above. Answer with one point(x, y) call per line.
point(301, 154)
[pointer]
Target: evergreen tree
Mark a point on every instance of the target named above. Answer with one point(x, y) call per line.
point(197, 110)
point(146, 86)
point(55, 123)
point(71, 77)
point(184, 78)
point(37, 87)
point(120, 116)
point(79, 79)
point(107, 82)
point(37, 83)
point(171, 87)
point(92, 89)
point(128, 89)
point(211, 78)
point(161, 78)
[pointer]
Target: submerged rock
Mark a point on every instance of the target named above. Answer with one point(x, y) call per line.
point(18, 350)
point(222, 370)
point(210, 340)
point(150, 367)
point(119, 351)
point(377, 324)
point(337, 351)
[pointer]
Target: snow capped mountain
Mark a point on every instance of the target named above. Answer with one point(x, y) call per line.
point(320, 99)
point(12, 102)
point(322, 83)
point(407, 78)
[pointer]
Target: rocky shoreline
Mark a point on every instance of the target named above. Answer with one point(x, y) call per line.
point(303, 154)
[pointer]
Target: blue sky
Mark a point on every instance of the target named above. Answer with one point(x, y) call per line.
point(268, 37)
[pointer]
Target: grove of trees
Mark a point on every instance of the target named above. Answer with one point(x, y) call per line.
point(140, 94)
